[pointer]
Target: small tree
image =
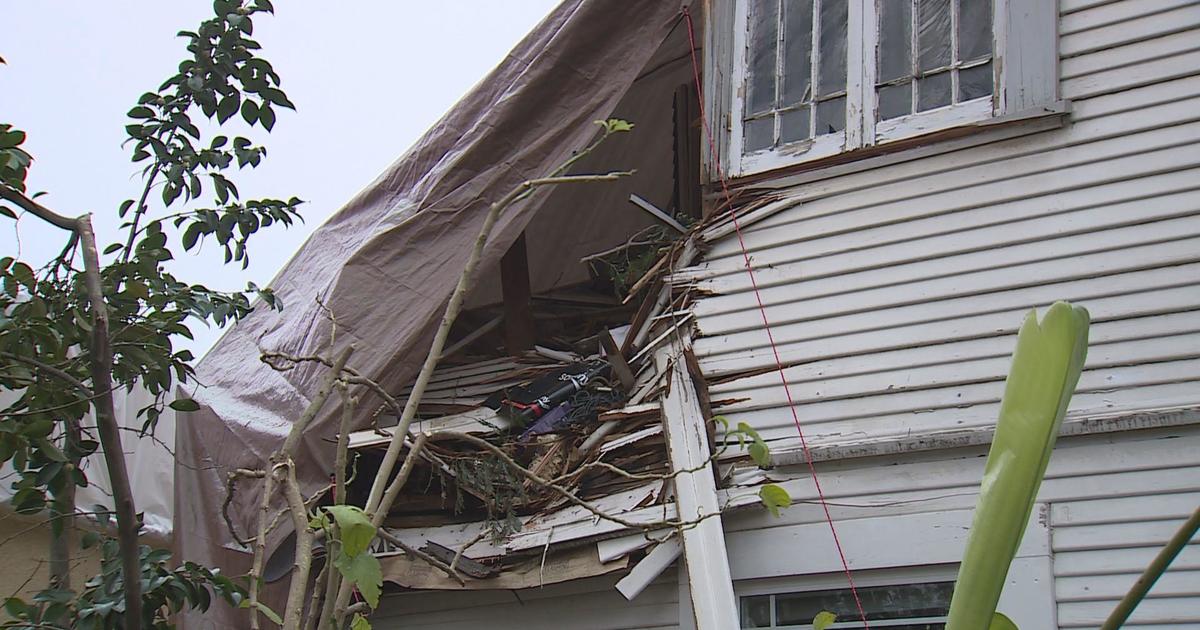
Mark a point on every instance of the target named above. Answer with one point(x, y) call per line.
point(89, 322)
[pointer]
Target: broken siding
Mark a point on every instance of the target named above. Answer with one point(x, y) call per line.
point(1109, 502)
point(895, 293)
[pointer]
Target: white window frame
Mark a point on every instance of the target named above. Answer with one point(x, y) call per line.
point(1024, 61)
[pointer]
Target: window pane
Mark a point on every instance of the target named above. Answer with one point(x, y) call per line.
point(933, 91)
point(764, 35)
point(793, 125)
point(974, 29)
point(797, 52)
point(906, 601)
point(975, 82)
point(895, 39)
point(760, 134)
point(895, 101)
point(832, 60)
point(756, 611)
point(933, 34)
point(831, 116)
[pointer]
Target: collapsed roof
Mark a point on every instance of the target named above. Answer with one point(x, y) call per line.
point(386, 263)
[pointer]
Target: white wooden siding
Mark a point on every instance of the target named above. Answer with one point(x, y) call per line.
point(1109, 502)
point(593, 603)
point(894, 293)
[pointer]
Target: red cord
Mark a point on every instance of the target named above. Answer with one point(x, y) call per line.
point(687, 15)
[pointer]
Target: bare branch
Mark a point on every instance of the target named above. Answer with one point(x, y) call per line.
point(51, 371)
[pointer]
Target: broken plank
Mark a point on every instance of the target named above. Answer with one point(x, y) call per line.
point(467, 565)
point(650, 568)
point(711, 585)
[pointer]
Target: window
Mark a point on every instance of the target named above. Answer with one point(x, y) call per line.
point(815, 78)
point(921, 606)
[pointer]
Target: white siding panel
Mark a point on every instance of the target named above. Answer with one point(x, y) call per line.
point(592, 603)
point(1114, 13)
point(1133, 29)
point(894, 293)
point(891, 511)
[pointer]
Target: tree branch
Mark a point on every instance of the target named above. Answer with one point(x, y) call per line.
point(38, 210)
point(50, 370)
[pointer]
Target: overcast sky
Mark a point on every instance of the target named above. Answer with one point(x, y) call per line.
point(368, 78)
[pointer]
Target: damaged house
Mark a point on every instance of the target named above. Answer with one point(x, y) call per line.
point(840, 212)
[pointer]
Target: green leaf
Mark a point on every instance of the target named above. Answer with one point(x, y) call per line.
point(10, 139)
point(112, 248)
point(249, 111)
point(1001, 622)
point(141, 111)
point(1045, 369)
point(615, 125)
point(227, 107)
point(774, 497)
point(760, 454)
point(356, 529)
point(266, 116)
point(364, 571)
point(184, 404)
point(823, 620)
point(360, 623)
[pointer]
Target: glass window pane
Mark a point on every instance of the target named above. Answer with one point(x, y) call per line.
point(831, 116)
point(797, 52)
point(756, 611)
point(895, 39)
point(933, 91)
point(975, 82)
point(974, 29)
point(895, 101)
point(832, 60)
point(793, 125)
point(760, 134)
point(933, 34)
point(904, 601)
point(764, 36)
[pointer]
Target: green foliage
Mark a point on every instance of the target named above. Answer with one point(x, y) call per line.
point(47, 349)
point(1001, 622)
point(352, 538)
point(100, 605)
point(774, 497)
point(364, 572)
point(615, 125)
point(355, 528)
point(823, 620)
point(359, 623)
point(1045, 369)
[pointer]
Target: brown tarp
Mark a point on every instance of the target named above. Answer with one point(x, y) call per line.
point(386, 263)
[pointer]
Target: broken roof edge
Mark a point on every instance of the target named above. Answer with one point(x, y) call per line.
point(369, 263)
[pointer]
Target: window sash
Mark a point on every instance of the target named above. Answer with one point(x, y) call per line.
point(862, 129)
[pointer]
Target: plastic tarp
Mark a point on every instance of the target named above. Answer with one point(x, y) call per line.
point(386, 263)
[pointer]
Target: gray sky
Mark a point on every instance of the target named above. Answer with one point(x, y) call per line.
point(368, 78)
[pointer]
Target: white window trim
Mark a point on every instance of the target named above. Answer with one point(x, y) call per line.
point(1024, 60)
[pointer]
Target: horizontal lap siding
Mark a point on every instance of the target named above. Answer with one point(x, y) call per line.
point(895, 293)
point(592, 603)
point(1101, 547)
point(1112, 502)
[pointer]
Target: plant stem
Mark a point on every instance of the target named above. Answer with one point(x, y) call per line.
point(260, 547)
point(1157, 567)
point(293, 615)
point(101, 363)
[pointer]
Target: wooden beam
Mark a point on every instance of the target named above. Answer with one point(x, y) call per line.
point(519, 332)
point(710, 583)
point(617, 361)
point(687, 151)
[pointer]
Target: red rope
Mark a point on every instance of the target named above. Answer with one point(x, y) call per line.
point(687, 15)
